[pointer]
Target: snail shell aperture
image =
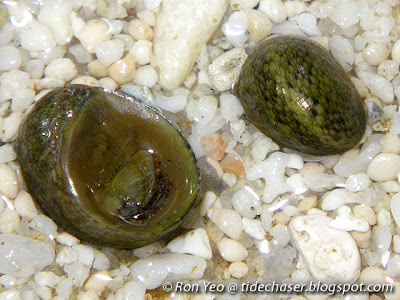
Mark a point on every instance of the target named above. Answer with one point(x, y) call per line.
point(107, 168)
point(295, 92)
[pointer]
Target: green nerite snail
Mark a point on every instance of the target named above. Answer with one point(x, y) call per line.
point(294, 91)
point(107, 168)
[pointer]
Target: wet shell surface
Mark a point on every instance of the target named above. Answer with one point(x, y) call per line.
point(107, 168)
point(295, 92)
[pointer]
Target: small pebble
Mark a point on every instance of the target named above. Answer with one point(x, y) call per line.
point(384, 218)
point(135, 290)
point(22, 100)
point(194, 242)
point(214, 146)
point(345, 15)
point(274, 9)
point(375, 53)
point(139, 30)
point(46, 279)
point(385, 166)
point(238, 269)
point(388, 68)
point(396, 243)
point(36, 37)
point(10, 58)
point(247, 203)
point(35, 68)
point(44, 225)
point(123, 71)
point(396, 51)
point(142, 51)
point(108, 83)
point(87, 80)
point(108, 52)
point(97, 69)
point(22, 257)
point(67, 239)
point(66, 256)
point(207, 201)
point(7, 153)
point(9, 221)
point(232, 250)
point(145, 76)
point(366, 213)
point(93, 33)
point(231, 108)
point(80, 54)
point(253, 228)
point(78, 272)
point(101, 261)
point(85, 254)
point(61, 68)
point(8, 181)
point(390, 143)
point(308, 203)
point(228, 221)
point(357, 182)
point(172, 267)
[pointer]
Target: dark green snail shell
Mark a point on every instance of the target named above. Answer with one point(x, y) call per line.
point(295, 92)
point(107, 168)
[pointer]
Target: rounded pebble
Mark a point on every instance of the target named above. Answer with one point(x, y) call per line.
point(8, 181)
point(93, 33)
point(10, 58)
point(61, 68)
point(123, 71)
point(9, 221)
point(25, 206)
point(396, 51)
point(238, 269)
point(142, 51)
point(385, 166)
point(108, 52)
point(375, 53)
point(139, 30)
point(390, 143)
point(145, 76)
point(345, 15)
point(232, 250)
point(274, 9)
point(366, 213)
point(357, 182)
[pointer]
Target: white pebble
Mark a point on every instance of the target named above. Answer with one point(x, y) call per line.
point(142, 51)
point(272, 170)
point(345, 15)
point(67, 239)
point(357, 182)
point(294, 8)
point(24, 205)
point(390, 143)
point(247, 203)
point(93, 33)
point(331, 255)
point(44, 225)
point(10, 58)
point(379, 86)
point(259, 25)
point(11, 126)
point(396, 243)
point(87, 80)
point(88, 295)
point(7, 33)
point(9, 221)
point(172, 267)
point(228, 221)
point(225, 69)
point(61, 68)
point(108, 83)
point(346, 221)
point(66, 256)
point(80, 54)
point(108, 52)
point(101, 261)
point(64, 287)
point(78, 272)
point(8, 181)
point(55, 15)
point(343, 51)
point(308, 23)
point(202, 110)
point(393, 266)
point(35, 68)
point(384, 218)
point(85, 254)
point(46, 279)
point(207, 201)
point(22, 100)
point(12, 82)
point(146, 76)
point(135, 290)
point(388, 68)
point(77, 23)
point(253, 228)
point(281, 235)
point(261, 147)
point(238, 269)
point(21, 256)
point(381, 239)
point(235, 28)
point(36, 37)
point(232, 250)
point(7, 153)
point(396, 51)
point(274, 9)
point(385, 166)
point(231, 108)
point(49, 83)
point(346, 167)
point(174, 103)
point(229, 178)
point(194, 242)
point(375, 53)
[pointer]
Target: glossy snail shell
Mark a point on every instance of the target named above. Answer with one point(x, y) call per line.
point(107, 168)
